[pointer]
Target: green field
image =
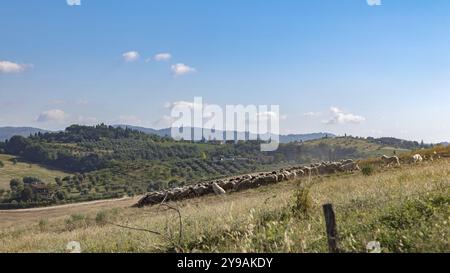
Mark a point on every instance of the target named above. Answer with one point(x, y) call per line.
point(366, 149)
point(22, 169)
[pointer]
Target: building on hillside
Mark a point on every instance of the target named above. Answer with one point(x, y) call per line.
point(41, 190)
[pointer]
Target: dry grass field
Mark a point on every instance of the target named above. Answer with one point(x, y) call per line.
point(22, 169)
point(9, 218)
point(406, 209)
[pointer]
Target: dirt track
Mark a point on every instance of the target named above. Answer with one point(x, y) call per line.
point(13, 217)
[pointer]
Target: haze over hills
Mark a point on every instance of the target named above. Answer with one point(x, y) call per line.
point(283, 138)
point(8, 132)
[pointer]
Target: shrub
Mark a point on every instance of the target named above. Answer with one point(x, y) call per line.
point(101, 218)
point(407, 228)
point(1, 164)
point(77, 221)
point(302, 201)
point(61, 195)
point(367, 170)
point(43, 225)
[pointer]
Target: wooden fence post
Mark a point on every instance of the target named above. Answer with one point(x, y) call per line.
point(330, 221)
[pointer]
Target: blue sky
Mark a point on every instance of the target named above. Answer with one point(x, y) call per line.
point(332, 65)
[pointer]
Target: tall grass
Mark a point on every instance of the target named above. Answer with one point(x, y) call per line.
point(406, 209)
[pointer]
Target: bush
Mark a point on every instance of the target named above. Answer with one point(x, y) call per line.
point(101, 218)
point(77, 221)
point(407, 228)
point(43, 225)
point(302, 201)
point(367, 170)
point(61, 195)
point(1, 164)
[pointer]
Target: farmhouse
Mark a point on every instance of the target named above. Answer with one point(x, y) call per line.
point(41, 190)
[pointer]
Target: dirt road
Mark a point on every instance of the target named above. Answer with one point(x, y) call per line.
point(13, 217)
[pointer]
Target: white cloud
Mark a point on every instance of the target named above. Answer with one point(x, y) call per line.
point(184, 104)
point(130, 56)
point(182, 69)
point(265, 116)
point(74, 2)
point(162, 57)
point(10, 67)
point(374, 2)
point(54, 115)
point(341, 117)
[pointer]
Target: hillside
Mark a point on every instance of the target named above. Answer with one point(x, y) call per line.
point(365, 147)
point(166, 132)
point(405, 209)
point(108, 162)
point(304, 137)
point(14, 168)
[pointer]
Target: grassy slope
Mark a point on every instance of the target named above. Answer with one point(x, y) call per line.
point(406, 209)
point(21, 169)
point(366, 148)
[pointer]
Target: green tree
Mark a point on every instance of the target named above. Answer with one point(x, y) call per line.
point(16, 185)
point(61, 195)
point(58, 181)
point(27, 194)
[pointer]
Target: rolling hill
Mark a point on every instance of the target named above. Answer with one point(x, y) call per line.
point(166, 132)
point(404, 209)
point(110, 162)
point(8, 132)
point(14, 168)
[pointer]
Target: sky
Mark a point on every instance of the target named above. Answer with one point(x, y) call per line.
point(359, 67)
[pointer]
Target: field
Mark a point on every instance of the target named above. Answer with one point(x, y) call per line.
point(406, 209)
point(107, 162)
point(365, 147)
point(22, 169)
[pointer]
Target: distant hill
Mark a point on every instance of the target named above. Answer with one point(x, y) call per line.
point(399, 143)
point(161, 133)
point(304, 137)
point(283, 138)
point(445, 144)
point(8, 132)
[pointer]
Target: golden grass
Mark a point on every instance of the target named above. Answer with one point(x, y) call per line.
point(21, 169)
point(258, 220)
